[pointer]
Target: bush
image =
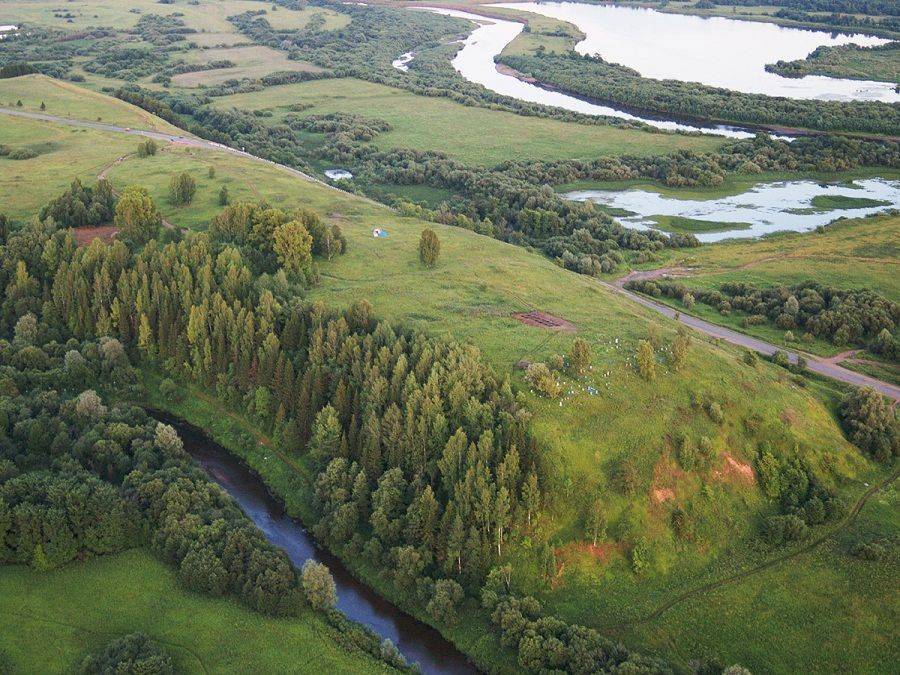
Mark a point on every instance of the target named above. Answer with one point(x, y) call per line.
point(447, 596)
point(429, 247)
point(318, 585)
point(543, 380)
point(135, 653)
point(147, 148)
point(784, 529)
point(870, 423)
point(169, 390)
point(22, 153)
point(182, 189)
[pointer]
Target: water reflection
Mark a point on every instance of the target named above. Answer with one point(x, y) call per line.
point(766, 208)
point(715, 51)
point(415, 640)
point(475, 62)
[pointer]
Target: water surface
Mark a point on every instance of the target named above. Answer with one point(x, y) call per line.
point(475, 62)
point(715, 51)
point(415, 640)
point(766, 208)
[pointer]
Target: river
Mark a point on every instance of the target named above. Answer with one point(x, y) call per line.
point(475, 62)
point(764, 209)
point(715, 51)
point(418, 642)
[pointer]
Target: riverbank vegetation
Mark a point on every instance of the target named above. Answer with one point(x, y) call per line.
point(880, 63)
point(679, 489)
point(596, 79)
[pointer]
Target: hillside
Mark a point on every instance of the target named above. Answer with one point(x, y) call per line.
point(609, 424)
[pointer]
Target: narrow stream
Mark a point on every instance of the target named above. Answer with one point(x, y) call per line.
point(418, 642)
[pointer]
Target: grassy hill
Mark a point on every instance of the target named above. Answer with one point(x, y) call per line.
point(606, 424)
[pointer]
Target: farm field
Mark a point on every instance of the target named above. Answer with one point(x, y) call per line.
point(208, 16)
point(470, 134)
point(76, 610)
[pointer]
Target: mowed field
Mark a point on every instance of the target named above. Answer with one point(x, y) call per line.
point(474, 135)
point(252, 61)
point(584, 437)
point(50, 621)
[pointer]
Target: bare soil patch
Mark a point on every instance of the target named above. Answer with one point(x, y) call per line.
point(661, 495)
point(732, 468)
point(85, 235)
point(538, 319)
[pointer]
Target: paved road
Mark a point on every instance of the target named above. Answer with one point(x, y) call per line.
point(813, 363)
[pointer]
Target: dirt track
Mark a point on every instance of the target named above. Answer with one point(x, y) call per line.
point(815, 364)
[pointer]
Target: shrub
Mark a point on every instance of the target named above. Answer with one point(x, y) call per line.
point(318, 585)
point(429, 247)
point(135, 653)
point(543, 380)
point(447, 596)
point(870, 423)
point(785, 529)
point(579, 357)
point(22, 153)
point(147, 148)
point(646, 360)
point(182, 189)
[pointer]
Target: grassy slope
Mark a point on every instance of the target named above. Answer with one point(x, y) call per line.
point(76, 610)
point(65, 153)
point(471, 295)
point(474, 135)
point(64, 99)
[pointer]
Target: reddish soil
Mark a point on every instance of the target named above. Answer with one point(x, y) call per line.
point(85, 235)
point(660, 495)
point(735, 469)
point(547, 321)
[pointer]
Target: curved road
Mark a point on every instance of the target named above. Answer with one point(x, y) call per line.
point(813, 363)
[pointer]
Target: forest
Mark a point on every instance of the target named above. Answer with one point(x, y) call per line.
point(423, 455)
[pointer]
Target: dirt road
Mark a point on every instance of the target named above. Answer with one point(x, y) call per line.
point(815, 364)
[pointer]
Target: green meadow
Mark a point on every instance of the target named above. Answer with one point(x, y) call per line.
point(610, 417)
point(50, 621)
point(472, 135)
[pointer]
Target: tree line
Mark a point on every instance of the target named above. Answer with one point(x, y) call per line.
point(857, 317)
point(594, 78)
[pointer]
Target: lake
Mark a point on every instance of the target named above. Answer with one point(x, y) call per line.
point(714, 51)
point(765, 208)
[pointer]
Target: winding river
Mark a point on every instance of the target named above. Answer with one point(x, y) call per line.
point(764, 209)
point(715, 51)
point(416, 641)
point(475, 62)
